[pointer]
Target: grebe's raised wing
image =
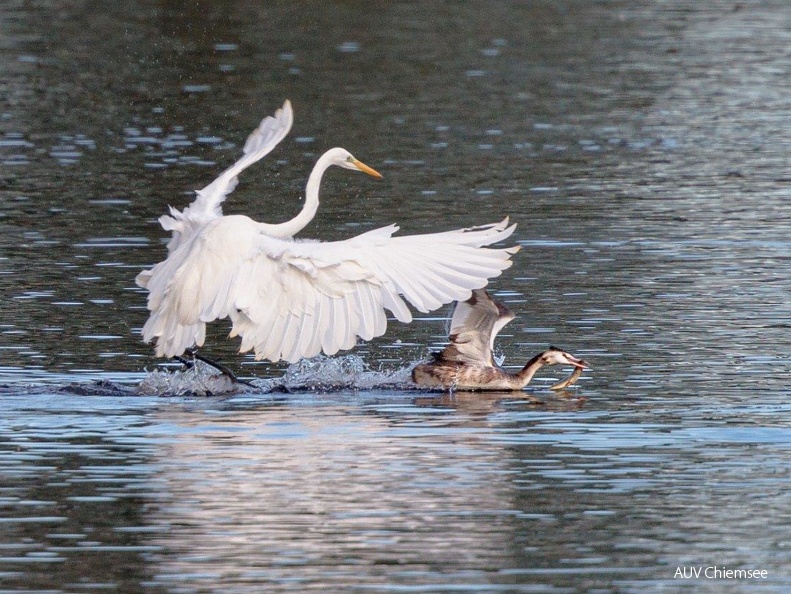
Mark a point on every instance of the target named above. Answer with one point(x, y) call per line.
point(473, 327)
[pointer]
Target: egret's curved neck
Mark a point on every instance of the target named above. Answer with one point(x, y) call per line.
point(299, 222)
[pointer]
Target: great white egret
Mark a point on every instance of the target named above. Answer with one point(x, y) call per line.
point(467, 362)
point(290, 298)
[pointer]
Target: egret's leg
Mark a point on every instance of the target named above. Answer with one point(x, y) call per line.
point(193, 352)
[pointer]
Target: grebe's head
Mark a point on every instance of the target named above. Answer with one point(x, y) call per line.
point(556, 356)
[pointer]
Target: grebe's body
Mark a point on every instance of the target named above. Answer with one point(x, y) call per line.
point(476, 376)
point(467, 362)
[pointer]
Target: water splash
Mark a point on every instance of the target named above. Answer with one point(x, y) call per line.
point(198, 379)
point(348, 372)
point(334, 373)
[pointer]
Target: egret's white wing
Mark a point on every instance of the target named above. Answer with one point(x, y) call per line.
point(473, 326)
point(208, 204)
point(289, 299)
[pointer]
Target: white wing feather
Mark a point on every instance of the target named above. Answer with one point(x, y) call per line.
point(208, 204)
point(289, 299)
point(473, 327)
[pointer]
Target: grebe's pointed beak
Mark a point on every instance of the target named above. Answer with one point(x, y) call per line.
point(577, 362)
point(365, 169)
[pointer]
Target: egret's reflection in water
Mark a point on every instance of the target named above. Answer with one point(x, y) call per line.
point(326, 490)
point(445, 491)
point(272, 495)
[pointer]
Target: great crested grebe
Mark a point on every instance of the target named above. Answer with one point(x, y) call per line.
point(289, 298)
point(467, 362)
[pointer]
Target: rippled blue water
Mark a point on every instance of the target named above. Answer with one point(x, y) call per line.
point(387, 491)
point(642, 149)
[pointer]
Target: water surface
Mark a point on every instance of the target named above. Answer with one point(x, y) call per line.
point(641, 148)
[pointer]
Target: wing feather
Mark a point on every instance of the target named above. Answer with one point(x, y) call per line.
point(392, 301)
point(207, 205)
point(473, 326)
point(328, 340)
point(311, 326)
point(288, 299)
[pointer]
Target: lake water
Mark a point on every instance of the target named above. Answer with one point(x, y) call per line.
point(641, 147)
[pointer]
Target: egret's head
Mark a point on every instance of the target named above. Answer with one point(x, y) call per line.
point(343, 158)
point(556, 356)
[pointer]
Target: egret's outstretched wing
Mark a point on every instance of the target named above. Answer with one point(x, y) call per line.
point(208, 204)
point(289, 299)
point(473, 326)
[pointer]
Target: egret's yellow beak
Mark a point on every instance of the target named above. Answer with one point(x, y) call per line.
point(365, 169)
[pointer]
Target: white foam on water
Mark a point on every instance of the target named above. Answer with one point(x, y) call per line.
point(200, 379)
point(337, 373)
point(347, 372)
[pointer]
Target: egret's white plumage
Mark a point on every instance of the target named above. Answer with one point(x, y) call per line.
point(291, 298)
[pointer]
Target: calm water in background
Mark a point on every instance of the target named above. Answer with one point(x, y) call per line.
point(643, 150)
